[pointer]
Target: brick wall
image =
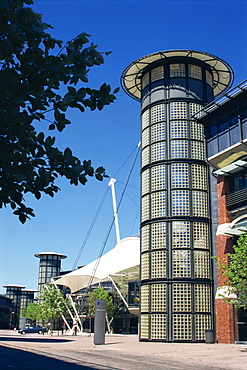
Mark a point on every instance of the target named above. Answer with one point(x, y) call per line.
point(224, 311)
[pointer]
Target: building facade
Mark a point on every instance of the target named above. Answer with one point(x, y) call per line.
point(225, 122)
point(14, 292)
point(176, 274)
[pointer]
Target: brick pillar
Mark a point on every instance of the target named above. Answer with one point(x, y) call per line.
point(224, 311)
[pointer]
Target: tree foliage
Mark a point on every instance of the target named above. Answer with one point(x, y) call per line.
point(235, 273)
point(33, 68)
point(99, 293)
point(52, 303)
point(32, 311)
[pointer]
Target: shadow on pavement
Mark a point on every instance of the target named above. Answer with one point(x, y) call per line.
point(23, 360)
point(34, 339)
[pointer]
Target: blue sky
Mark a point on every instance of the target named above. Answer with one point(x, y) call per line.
point(130, 29)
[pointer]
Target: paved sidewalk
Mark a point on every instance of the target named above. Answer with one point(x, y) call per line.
point(212, 356)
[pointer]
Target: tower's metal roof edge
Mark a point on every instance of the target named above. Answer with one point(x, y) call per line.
point(222, 72)
point(50, 253)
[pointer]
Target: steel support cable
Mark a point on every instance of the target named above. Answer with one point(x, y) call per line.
point(96, 216)
point(112, 222)
point(90, 228)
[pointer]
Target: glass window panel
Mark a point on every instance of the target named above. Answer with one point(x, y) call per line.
point(178, 110)
point(181, 297)
point(158, 235)
point(181, 265)
point(197, 150)
point(145, 298)
point(144, 327)
point(158, 113)
point(145, 119)
point(158, 208)
point(209, 78)
point(201, 264)
point(145, 80)
point(145, 207)
point(177, 70)
point(200, 204)
point(157, 73)
point(145, 181)
point(180, 203)
point(158, 326)
point(195, 71)
point(145, 266)
point(158, 264)
point(199, 176)
point(202, 323)
point(145, 137)
point(180, 234)
point(202, 298)
point(180, 175)
point(158, 297)
point(179, 149)
point(158, 151)
point(179, 129)
point(197, 131)
point(145, 237)
point(158, 177)
point(158, 132)
point(145, 156)
point(182, 326)
point(200, 235)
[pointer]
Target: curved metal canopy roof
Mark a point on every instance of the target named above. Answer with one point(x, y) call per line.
point(222, 72)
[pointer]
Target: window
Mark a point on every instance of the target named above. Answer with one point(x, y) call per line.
point(145, 119)
point(180, 175)
point(180, 234)
point(158, 204)
point(177, 70)
point(195, 71)
point(158, 264)
point(145, 266)
point(157, 73)
point(145, 80)
point(158, 177)
point(199, 176)
point(181, 297)
point(200, 204)
point(181, 266)
point(145, 156)
point(145, 233)
point(179, 149)
point(178, 110)
point(158, 235)
point(158, 151)
point(180, 203)
point(179, 129)
point(145, 137)
point(209, 78)
point(145, 207)
point(145, 181)
point(158, 113)
point(158, 132)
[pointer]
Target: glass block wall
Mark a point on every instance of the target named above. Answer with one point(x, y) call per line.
point(175, 216)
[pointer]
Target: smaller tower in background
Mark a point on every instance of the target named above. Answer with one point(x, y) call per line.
point(49, 267)
point(14, 292)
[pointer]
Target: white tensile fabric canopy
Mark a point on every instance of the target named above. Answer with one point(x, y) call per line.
point(124, 255)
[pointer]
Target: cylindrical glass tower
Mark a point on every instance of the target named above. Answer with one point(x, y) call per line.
point(49, 267)
point(176, 278)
